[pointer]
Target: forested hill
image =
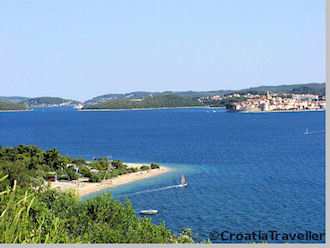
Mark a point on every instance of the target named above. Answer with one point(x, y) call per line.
point(143, 94)
point(147, 102)
point(6, 105)
point(310, 88)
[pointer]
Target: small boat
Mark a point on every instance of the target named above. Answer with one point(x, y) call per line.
point(183, 182)
point(149, 212)
point(306, 132)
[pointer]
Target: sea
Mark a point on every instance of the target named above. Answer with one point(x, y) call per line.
point(247, 172)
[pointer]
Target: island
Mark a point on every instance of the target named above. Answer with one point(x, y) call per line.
point(159, 101)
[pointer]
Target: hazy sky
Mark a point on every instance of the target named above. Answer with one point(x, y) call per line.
point(79, 49)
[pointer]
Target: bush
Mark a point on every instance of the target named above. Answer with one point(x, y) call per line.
point(154, 166)
point(132, 169)
point(95, 178)
point(117, 164)
point(84, 171)
point(71, 174)
point(63, 177)
point(144, 167)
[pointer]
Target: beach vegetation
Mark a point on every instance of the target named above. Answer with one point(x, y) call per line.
point(95, 178)
point(154, 166)
point(144, 167)
point(32, 166)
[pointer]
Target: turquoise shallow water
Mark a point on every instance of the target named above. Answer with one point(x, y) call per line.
point(246, 172)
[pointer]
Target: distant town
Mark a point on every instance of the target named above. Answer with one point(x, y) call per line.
point(269, 102)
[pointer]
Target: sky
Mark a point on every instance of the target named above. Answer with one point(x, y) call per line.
point(80, 49)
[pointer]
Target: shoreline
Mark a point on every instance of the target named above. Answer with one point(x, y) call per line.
point(279, 111)
point(14, 110)
point(83, 188)
point(128, 109)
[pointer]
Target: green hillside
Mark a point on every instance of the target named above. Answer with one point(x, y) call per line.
point(311, 88)
point(147, 102)
point(6, 105)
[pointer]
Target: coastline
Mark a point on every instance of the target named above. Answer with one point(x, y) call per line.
point(83, 188)
point(280, 111)
point(128, 109)
point(14, 110)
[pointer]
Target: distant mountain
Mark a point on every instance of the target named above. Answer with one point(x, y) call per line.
point(143, 94)
point(150, 101)
point(310, 88)
point(15, 99)
point(113, 97)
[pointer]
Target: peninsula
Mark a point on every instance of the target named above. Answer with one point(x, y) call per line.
point(39, 167)
point(83, 186)
point(33, 212)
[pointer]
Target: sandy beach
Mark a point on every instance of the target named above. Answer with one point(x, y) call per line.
point(84, 188)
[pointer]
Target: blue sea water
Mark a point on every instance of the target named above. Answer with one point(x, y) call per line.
point(246, 172)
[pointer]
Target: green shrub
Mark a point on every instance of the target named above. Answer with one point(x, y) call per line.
point(84, 171)
point(63, 177)
point(71, 174)
point(154, 166)
point(95, 178)
point(144, 167)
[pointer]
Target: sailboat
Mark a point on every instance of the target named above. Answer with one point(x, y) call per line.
point(183, 182)
point(149, 212)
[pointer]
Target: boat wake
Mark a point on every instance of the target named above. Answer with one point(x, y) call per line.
point(153, 190)
point(183, 184)
point(307, 132)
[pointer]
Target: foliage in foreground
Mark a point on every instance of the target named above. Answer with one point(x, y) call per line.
point(31, 212)
point(49, 216)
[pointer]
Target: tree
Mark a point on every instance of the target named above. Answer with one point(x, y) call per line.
point(85, 171)
point(53, 159)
